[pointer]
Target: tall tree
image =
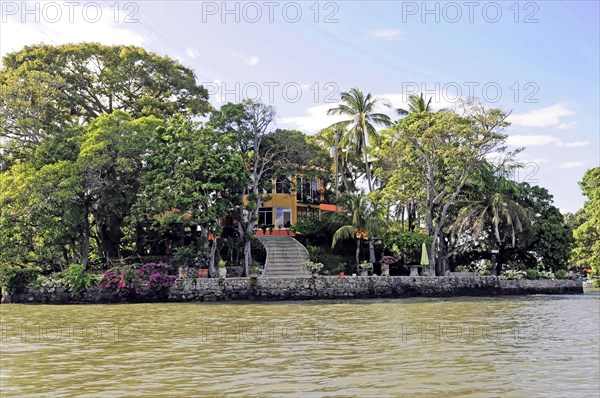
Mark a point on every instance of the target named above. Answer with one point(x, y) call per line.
point(250, 122)
point(445, 149)
point(45, 88)
point(491, 210)
point(361, 220)
point(416, 104)
point(587, 235)
point(112, 160)
point(193, 172)
point(361, 127)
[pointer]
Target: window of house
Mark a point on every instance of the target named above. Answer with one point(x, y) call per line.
point(304, 213)
point(283, 185)
point(265, 216)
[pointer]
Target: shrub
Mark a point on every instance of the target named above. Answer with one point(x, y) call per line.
point(15, 278)
point(462, 268)
point(48, 283)
point(135, 279)
point(406, 245)
point(332, 263)
point(191, 256)
point(561, 274)
point(312, 267)
point(531, 273)
point(75, 279)
point(308, 227)
point(513, 274)
point(546, 275)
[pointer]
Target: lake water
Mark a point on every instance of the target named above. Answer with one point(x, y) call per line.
point(536, 346)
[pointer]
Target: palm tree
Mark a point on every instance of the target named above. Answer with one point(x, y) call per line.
point(492, 211)
point(416, 105)
point(361, 127)
point(362, 221)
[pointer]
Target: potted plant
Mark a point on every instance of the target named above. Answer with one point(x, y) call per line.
point(182, 273)
point(254, 270)
point(222, 268)
point(365, 267)
point(385, 262)
point(313, 268)
point(271, 227)
point(263, 227)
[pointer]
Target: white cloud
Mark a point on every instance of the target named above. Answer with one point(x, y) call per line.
point(385, 34)
point(538, 140)
point(551, 116)
point(315, 119)
point(248, 59)
point(191, 53)
point(16, 34)
point(572, 165)
point(573, 144)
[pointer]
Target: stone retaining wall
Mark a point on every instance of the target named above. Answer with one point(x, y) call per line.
point(276, 289)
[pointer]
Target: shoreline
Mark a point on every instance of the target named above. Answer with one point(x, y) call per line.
point(305, 289)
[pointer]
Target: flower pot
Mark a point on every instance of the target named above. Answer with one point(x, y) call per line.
point(202, 272)
point(364, 272)
point(342, 274)
point(385, 270)
point(182, 273)
point(222, 272)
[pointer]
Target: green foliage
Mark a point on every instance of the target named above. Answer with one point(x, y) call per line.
point(308, 227)
point(312, 267)
point(76, 280)
point(586, 253)
point(514, 274)
point(332, 263)
point(15, 278)
point(49, 283)
point(561, 274)
point(531, 273)
point(546, 275)
point(191, 256)
point(405, 245)
point(360, 129)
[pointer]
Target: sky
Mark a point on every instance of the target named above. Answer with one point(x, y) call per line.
point(536, 59)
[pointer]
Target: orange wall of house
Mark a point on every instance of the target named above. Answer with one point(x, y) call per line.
point(282, 200)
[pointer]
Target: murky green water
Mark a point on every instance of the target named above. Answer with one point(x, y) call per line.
point(545, 346)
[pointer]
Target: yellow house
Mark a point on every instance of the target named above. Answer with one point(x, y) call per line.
point(291, 200)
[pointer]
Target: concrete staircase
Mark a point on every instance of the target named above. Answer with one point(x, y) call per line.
point(285, 256)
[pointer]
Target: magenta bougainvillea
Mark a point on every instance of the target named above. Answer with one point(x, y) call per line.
point(137, 279)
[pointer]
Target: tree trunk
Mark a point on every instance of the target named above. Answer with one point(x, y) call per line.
point(357, 256)
point(366, 156)
point(110, 237)
point(440, 264)
point(85, 244)
point(247, 257)
point(212, 271)
point(372, 258)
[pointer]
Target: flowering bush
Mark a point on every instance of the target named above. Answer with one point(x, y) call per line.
point(388, 260)
point(137, 279)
